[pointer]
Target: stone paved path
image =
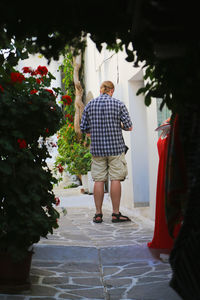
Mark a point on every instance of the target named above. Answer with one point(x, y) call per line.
point(83, 260)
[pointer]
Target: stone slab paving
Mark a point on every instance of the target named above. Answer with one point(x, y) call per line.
point(77, 228)
point(83, 260)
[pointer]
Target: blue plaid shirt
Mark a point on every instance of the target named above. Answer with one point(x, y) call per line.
point(102, 118)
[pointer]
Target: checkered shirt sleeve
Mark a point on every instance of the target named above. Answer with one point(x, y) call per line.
point(102, 118)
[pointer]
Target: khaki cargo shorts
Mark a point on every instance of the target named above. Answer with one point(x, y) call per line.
point(114, 166)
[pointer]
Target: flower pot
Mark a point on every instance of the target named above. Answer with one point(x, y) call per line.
point(90, 183)
point(85, 182)
point(14, 276)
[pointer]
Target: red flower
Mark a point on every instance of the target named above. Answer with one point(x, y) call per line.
point(22, 143)
point(50, 91)
point(33, 73)
point(1, 88)
point(42, 70)
point(34, 91)
point(39, 80)
point(67, 100)
point(17, 77)
point(69, 117)
point(60, 168)
point(57, 201)
point(27, 70)
point(47, 130)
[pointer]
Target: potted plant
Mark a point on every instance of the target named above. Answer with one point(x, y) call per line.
point(73, 153)
point(29, 115)
point(79, 163)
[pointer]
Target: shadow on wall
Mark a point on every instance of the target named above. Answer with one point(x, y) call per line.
point(89, 97)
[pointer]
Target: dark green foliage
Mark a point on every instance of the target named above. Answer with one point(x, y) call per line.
point(164, 34)
point(159, 32)
point(26, 198)
point(65, 23)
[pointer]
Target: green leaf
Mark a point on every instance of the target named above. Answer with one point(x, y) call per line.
point(12, 59)
point(147, 100)
point(24, 55)
point(130, 57)
point(141, 91)
point(5, 168)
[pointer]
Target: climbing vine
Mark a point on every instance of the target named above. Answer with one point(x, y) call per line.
point(73, 150)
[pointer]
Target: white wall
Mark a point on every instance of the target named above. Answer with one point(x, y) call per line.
point(139, 145)
point(152, 155)
point(142, 158)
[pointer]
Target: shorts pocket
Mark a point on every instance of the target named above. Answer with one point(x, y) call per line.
point(125, 168)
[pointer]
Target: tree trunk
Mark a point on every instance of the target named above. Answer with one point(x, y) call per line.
point(79, 106)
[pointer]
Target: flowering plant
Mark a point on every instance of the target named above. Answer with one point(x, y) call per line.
point(74, 153)
point(29, 115)
point(67, 100)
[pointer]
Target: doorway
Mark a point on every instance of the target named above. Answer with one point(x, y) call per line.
point(139, 143)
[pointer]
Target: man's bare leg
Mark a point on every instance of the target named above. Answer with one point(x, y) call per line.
point(98, 196)
point(115, 193)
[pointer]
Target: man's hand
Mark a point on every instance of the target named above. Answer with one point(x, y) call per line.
point(126, 129)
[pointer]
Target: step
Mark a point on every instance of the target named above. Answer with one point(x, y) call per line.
point(91, 254)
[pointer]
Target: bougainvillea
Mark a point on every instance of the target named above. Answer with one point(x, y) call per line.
point(67, 100)
point(74, 153)
point(69, 117)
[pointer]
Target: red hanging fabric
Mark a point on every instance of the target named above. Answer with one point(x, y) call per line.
point(161, 238)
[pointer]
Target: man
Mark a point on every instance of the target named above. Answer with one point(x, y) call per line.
point(103, 119)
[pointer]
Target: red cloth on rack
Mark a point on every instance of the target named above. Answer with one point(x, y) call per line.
point(161, 238)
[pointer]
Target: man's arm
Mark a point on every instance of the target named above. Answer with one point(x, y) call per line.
point(127, 129)
point(85, 126)
point(125, 119)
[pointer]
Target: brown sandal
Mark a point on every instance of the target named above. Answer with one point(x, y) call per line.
point(118, 218)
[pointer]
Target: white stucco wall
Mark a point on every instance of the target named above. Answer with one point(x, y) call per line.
point(142, 158)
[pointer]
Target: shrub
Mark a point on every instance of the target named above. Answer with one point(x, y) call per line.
point(29, 115)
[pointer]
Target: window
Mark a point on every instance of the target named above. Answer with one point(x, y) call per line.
point(163, 114)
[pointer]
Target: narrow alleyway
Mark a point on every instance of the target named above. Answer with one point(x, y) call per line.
point(83, 260)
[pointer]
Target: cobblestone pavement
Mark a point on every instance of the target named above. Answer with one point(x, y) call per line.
point(83, 260)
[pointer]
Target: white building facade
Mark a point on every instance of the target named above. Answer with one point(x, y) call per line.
point(139, 189)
